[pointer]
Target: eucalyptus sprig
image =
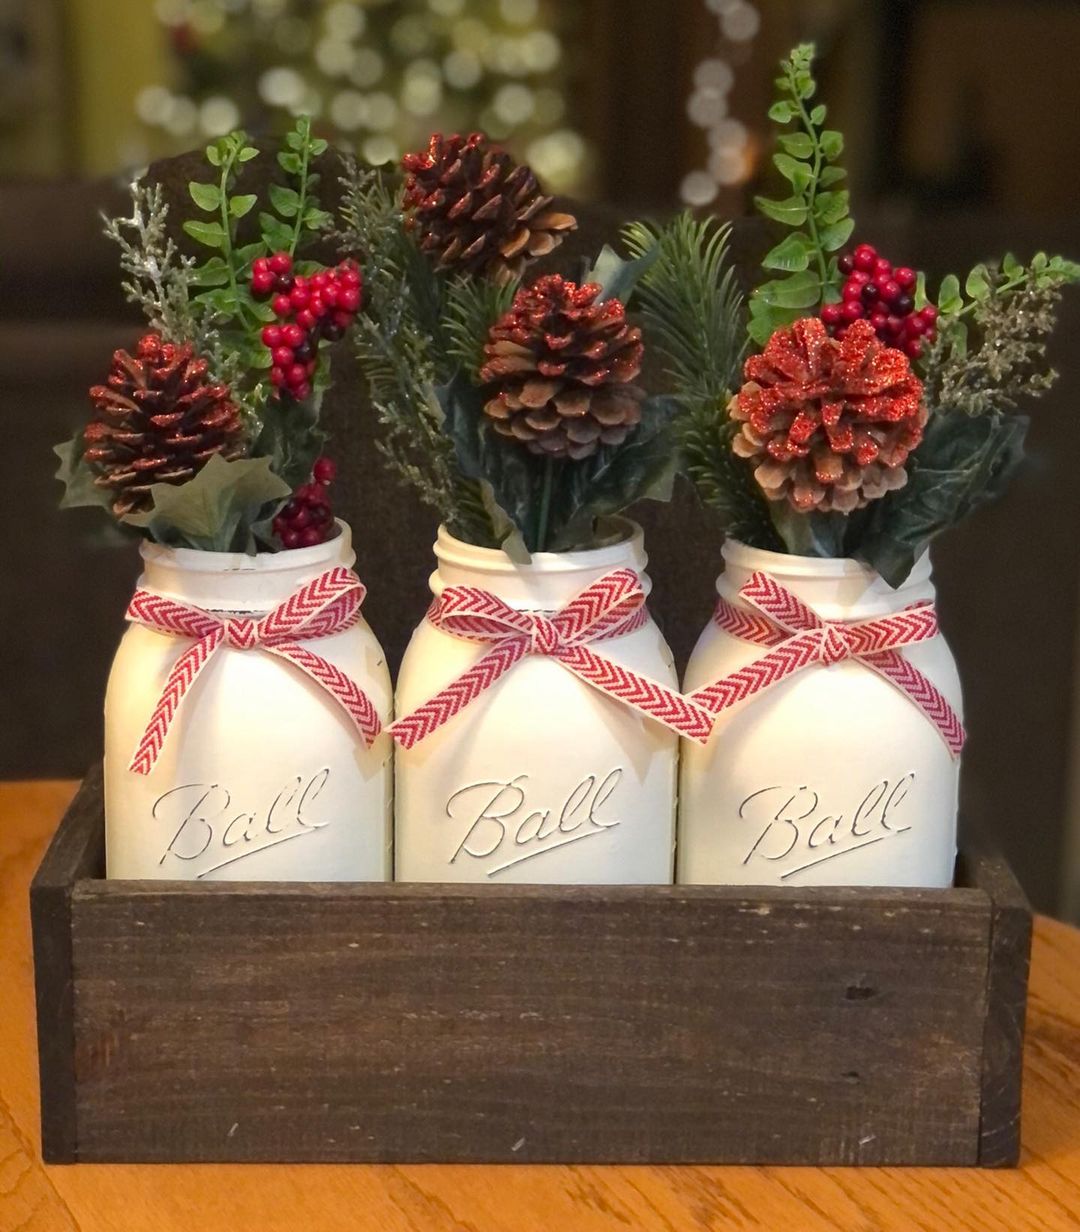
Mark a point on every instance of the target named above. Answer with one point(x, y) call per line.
point(816, 211)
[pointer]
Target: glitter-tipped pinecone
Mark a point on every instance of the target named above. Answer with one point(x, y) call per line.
point(475, 210)
point(560, 370)
point(157, 420)
point(829, 423)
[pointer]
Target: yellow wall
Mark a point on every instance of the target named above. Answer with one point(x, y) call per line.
point(116, 48)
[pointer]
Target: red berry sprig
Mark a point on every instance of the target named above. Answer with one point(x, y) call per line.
point(308, 310)
point(306, 520)
point(882, 294)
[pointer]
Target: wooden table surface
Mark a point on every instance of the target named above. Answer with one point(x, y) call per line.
point(1043, 1195)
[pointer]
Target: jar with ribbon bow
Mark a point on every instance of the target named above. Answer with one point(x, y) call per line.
point(837, 420)
point(834, 759)
point(242, 723)
point(540, 720)
point(539, 713)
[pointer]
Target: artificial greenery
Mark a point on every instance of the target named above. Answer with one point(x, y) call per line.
point(421, 344)
point(694, 315)
point(209, 303)
point(816, 211)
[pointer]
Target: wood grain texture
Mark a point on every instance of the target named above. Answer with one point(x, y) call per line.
point(1042, 1195)
point(407, 1023)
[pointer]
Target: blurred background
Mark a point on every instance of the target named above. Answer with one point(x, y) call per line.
point(963, 128)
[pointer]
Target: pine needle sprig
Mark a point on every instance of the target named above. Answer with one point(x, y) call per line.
point(472, 307)
point(694, 315)
point(396, 339)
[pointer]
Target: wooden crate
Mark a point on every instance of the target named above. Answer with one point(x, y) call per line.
point(182, 1021)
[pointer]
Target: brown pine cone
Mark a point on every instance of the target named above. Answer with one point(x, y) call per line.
point(157, 420)
point(829, 423)
point(561, 367)
point(476, 211)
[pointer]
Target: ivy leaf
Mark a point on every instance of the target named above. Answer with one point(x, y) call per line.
point(277, 235)
point(206, 196)
point(798, 144)
point(78, 479)
point(949, 297)
point(792, 212)
point(286, 201)
point(208, 233)
point(242, 204)
point(214, 273)
point(792, 254)
point(803, 290)
point(809, 534)
point(206, 511)
point(618, 276)
point(832, 144)
point(830, 207)
point(964, 461)
point(797, 174)
point(833, 237)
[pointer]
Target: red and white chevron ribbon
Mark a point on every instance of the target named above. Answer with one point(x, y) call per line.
point(328, 604)
point(608, 608)
point(799, 638)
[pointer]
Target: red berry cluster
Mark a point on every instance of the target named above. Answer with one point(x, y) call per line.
point(307, 518)
point(308, 309)
point(883, 295)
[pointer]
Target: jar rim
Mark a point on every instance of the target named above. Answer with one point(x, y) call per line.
point(784, 564)
point(197, 560)
point(453, 551)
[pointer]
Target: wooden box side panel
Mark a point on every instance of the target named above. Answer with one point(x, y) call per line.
point(624, 1025)
point(1006, 998)
point(77, 850)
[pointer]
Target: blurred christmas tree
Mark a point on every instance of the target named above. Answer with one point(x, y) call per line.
point(380, 74)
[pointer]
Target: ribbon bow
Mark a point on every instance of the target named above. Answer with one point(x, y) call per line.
point(610, 607)
point(328, 604)
point(799, 638)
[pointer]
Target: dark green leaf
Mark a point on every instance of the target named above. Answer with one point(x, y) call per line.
point(809, 534)
point(77, 477)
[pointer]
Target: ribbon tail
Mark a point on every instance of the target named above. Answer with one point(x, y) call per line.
point(780, 663)
point(892, 665)
point(412, 728)
point(343, 689)
point(650, 698)
point(181, 678)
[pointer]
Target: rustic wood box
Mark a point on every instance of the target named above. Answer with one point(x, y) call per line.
point(186, 1021)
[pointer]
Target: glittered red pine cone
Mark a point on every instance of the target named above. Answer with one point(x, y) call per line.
point(830, 423)
point(157, 420)
point(475, 210)
point(561, 368)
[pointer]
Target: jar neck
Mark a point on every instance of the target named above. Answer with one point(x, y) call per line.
point(546, 582)
point(236, 582)
point(836, 589)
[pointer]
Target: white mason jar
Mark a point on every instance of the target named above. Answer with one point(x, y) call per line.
point(542, 778)
point(263, 776)
point(832, 776)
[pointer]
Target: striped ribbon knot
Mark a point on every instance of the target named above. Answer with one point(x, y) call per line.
point(610, 607)
point(798, 638)
point(326, 605)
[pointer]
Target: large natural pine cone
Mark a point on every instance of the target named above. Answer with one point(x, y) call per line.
point(158, 420)
point(829, 423)
point(476, 211)
point(561, 367)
